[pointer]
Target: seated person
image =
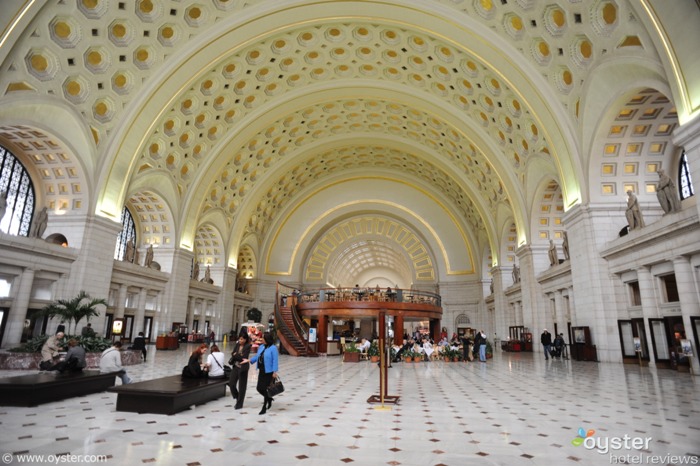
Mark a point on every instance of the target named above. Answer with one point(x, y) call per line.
point(140, 344)
point(215, 363)
point(111, 361)
point(74, 360)
point(364, 346)
point(50, 351)
point(427, 348)
point(87, 331)
point(194, 367)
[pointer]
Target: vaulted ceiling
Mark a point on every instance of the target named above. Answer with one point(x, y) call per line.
point(221, 120)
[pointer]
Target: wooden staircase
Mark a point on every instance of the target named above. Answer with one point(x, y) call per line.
point(289, 334)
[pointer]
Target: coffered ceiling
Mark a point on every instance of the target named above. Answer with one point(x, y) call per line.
point(221, 115)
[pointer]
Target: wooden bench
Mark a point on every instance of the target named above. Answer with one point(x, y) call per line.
point(168, 395)
point(36, 389)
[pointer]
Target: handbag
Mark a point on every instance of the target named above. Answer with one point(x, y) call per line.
point(227, 369)
point(275, 388)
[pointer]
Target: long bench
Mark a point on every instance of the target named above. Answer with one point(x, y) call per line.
point(45, 387)
point(168, 395)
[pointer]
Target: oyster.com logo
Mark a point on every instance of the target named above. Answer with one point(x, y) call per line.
point(627, 449)
point(582, 436)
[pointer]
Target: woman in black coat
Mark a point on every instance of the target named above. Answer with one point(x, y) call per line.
point(193, 368)
point(239, 372)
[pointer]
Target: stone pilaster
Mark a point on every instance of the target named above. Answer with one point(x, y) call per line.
point(225, 303)
point(649, 308)
point(18, 310)
point(177, 289)
point(500, 327)
point(140, 313)
point(92, 271)
point(588, 231)
point(533, 310)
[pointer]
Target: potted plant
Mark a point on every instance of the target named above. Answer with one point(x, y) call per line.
point(408, 356)
point(373, 351)
point(351, 353)
point(489, 350)
point(447, 353)
point(75, 309)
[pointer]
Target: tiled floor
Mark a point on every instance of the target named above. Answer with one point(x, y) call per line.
point(517, 409)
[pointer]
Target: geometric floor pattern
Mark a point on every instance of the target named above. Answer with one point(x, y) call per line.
point(516, 409)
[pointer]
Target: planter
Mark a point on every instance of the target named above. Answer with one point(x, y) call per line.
point(408, 359)
point(374, 358)
point(417, 359)
point(447, 359)
point(351, 356)
point(455, 359)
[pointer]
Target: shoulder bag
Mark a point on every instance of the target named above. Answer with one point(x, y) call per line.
point(275, 388)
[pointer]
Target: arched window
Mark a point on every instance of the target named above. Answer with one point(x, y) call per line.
point(128, 232)
point(684, 176)
point(18, 195)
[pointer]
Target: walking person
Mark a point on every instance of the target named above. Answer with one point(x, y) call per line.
point(546, 340)
point(267, 359)
point(482, 346)
point(239, 371)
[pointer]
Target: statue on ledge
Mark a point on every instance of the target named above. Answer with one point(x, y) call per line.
point(129, 253)
point(633, 214)
point(149, 256)
point(195, 270)
point(40, 223)
point(516, 274)
point(207, 276)
point(553, 258)
point(565, 246)
point(667, 194)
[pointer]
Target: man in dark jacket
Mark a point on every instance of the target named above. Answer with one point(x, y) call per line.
point(546, 340)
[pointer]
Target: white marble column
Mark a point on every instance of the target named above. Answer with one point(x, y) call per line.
point(649, 307)
point(500, 326)
point(121, 302)
point(224, 305)
point(532, 305)
point(177, 289)
point(560, 312)
point(18, 310)
point(140, 313)
point(192, 303)
point(688, 296)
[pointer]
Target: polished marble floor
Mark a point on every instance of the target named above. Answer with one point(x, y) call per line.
point(517, 409)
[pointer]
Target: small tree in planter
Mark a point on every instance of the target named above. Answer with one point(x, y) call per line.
point(352, 353)
point(373, 351)
point(254, 314)
point(74, 310)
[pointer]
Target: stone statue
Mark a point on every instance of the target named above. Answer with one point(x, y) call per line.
point(667, 194)
point(491, 287)
point(633, 214)
point(149, 256)
point(40, 223)
point(3, 204)
point(516, 274)
point(129, 253)
point(553, 259)
point(137, 257)
point(207, 276)
point(565, 246)
point(195, 270)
